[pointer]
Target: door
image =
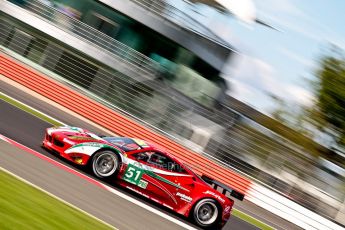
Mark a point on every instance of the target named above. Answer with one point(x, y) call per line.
point(165, 179)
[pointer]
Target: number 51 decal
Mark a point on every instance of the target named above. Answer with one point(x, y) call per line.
point(133, 175)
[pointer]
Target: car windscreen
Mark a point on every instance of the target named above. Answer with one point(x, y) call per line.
point(124, 143)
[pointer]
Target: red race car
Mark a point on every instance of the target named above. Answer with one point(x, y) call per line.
point(148, 170)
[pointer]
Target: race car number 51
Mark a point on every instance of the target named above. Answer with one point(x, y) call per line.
point(133, 175)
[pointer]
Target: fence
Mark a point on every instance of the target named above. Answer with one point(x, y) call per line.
point(218, 133)
point(73, 26)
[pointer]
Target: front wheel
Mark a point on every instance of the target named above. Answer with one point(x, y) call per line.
point(105, 164)
point(206, 213)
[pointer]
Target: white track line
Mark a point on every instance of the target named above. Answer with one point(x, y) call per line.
point(37, 111)
point(118, 193)
point(56, 197)
point(149, 208)
point(108, 188)
point(4, 138)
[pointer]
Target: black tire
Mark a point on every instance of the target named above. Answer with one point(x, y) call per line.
point(105, 164)
point(206, 214)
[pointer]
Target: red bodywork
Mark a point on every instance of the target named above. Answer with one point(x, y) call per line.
point(176, 186)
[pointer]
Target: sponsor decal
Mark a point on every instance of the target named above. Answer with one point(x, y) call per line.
point(184, 197)
point(218, 197)
point(135, 171)
point(142, 184)
point(133, 174)
point(227, 209)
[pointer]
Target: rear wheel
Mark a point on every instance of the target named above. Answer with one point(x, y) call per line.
point(105, 164)
point(206, 213)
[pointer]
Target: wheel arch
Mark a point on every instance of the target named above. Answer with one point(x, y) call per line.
point(217, 223)
point(203, 198)
point(108, 148)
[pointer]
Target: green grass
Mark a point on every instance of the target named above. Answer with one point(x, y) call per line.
point(25, 207)
point(27, 109)
point(251, 220)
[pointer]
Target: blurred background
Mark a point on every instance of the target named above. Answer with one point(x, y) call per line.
point(258, 86)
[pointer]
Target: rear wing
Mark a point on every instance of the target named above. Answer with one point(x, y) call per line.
point(225, 190)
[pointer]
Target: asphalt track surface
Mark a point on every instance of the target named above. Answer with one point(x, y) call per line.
point(28, 130)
